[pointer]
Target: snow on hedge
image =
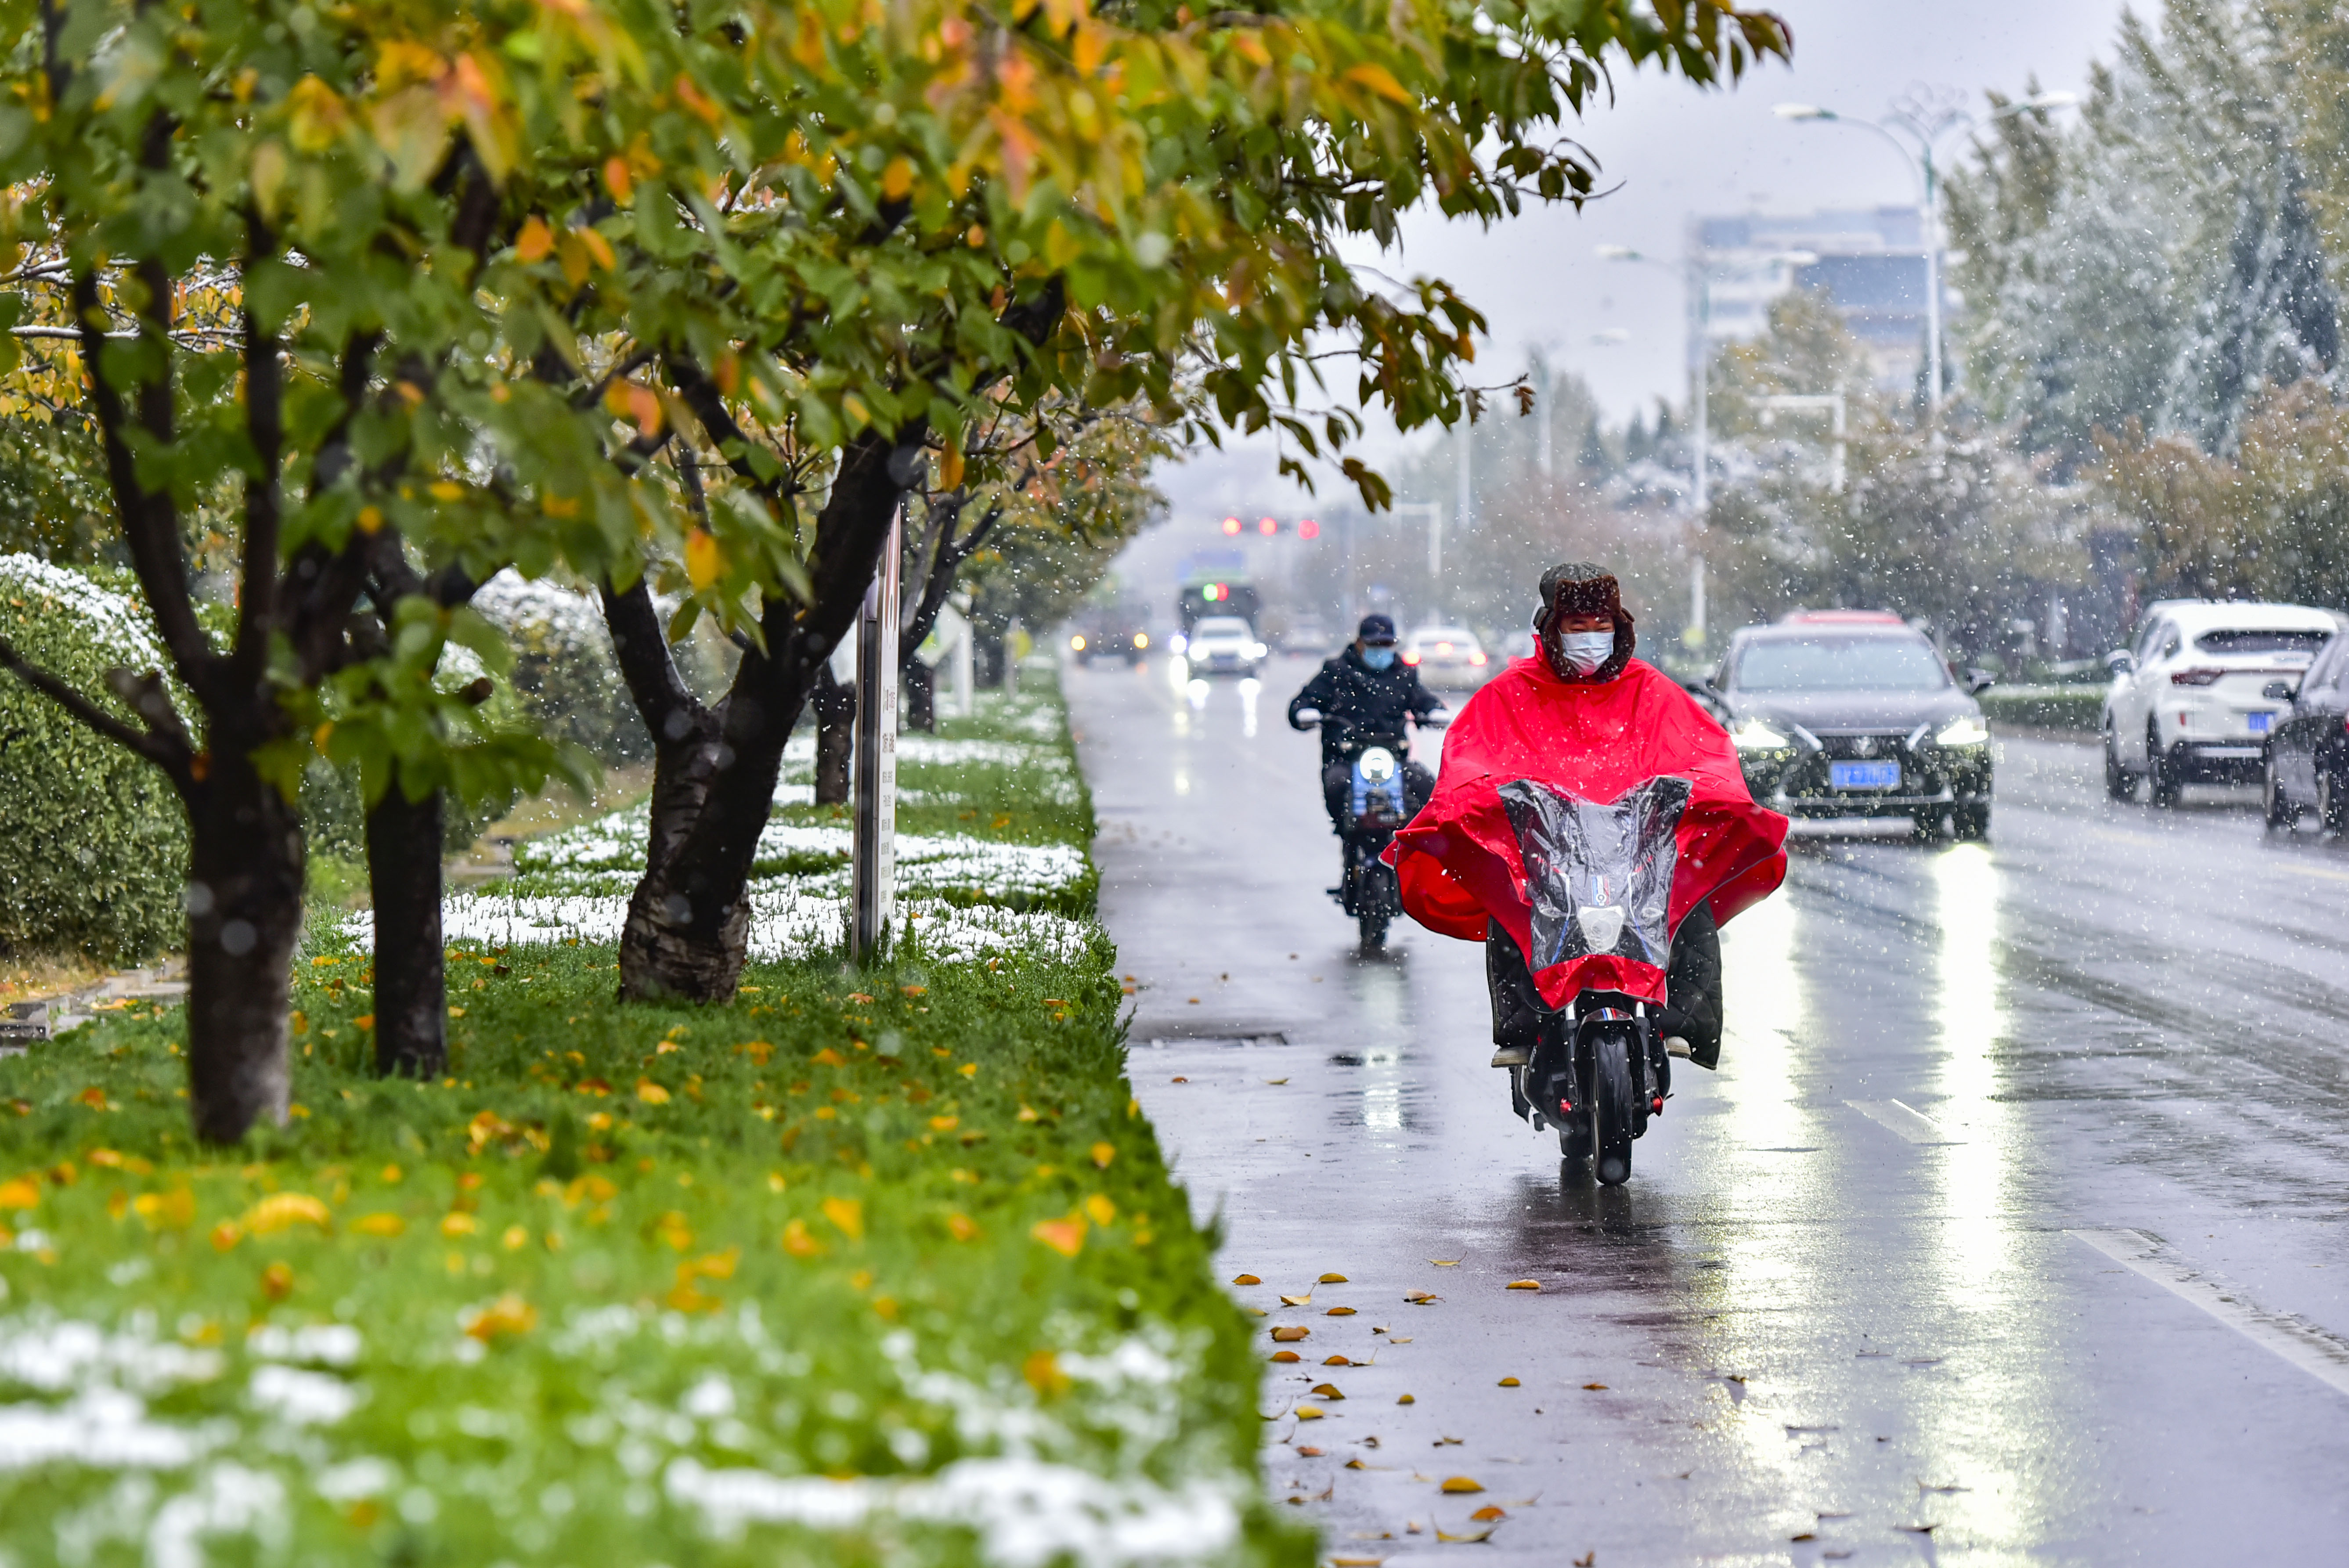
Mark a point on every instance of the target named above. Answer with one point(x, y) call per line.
point(115, 619)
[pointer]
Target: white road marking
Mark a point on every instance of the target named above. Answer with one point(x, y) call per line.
point(1905, 1120)
point(2318, 1352)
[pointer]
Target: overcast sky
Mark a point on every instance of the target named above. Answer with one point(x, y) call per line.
point(1673, 152)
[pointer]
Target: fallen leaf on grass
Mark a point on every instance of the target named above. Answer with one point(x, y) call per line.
point(281, 1210)
point(378, 1225)
point(1331, 1279)
point(847, 1216)
point(1458, 1484)
point(1524, 1285)
point(1291, 1332)
point(1066, 1237)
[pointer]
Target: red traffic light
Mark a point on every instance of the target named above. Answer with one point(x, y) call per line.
point(1267, 526)
point(1309, 529)
point(1231, 525)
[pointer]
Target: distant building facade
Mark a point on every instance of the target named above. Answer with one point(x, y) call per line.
point(1869, 262)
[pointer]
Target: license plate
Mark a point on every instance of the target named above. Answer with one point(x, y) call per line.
point(2261, 723)
point(1863, 775)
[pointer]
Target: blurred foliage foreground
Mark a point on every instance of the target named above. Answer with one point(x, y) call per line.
point(876, 1265)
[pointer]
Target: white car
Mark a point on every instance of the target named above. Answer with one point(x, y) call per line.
point(1447, 656)
point(1223, 645)
point(2188, 703)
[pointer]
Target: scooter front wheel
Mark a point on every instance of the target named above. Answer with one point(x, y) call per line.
point(1373, 927)
point(1611, 1105)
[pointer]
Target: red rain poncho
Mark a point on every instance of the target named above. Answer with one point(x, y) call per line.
point(1459, 862)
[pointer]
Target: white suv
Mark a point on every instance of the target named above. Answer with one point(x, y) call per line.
point(2188, 702)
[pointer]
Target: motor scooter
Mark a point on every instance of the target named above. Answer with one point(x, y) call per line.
point(1599, 878)
point(1375, 807)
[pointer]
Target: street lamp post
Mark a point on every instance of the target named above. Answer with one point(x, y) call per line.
point(1700, 284)
point(1926, 121)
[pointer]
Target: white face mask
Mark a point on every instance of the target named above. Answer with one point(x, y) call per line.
point(1586, 651)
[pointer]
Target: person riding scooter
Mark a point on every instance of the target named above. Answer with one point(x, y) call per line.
point(1365, 689)
point(1584, 718)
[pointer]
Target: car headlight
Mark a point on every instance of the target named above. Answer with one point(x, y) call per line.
point(1755, 736)
point(1967, 731)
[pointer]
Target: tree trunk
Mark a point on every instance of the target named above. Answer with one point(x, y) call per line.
point(835, 737)
point(921, 697)
point(403, 845)
point(244, 918)
point(688, 924)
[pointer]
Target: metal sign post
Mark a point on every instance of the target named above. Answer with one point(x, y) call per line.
point(874, 860)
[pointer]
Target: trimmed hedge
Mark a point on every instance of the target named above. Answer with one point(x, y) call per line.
point(93, 841)
point(2045, 707)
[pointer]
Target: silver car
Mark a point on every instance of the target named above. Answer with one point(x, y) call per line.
point(1223, 645)
point(1448, 657)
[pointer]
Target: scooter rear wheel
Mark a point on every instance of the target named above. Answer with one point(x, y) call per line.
point(1611, 1103)
point(1373, 928)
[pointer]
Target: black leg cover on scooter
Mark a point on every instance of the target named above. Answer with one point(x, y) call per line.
point(1692, 985)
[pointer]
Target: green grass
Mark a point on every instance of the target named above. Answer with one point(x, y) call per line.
point(830, 1274)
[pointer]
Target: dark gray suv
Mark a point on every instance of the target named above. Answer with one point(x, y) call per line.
point(1853, 713)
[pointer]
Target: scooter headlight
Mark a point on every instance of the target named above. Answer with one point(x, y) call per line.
point(1967, 731)
point(1376, 765)
point(1755, 736)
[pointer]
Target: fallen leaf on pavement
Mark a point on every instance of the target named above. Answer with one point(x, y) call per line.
point(1422, 1297)
point(1510, 1383)
point(1246, 1279)
point(1286, 1357)
point(1275, 1082)
point(1308, 1412)
point(1524, 1285)
point(1327, 1390)
point(1465, 1536)
point(1398, 1339)
point(1458, 1484)
point(1445, 1263)
point(1490, 1511)
point(1340, 1311)
point(1356, 1562)
point(1178, 1080)
point(1445, 1442)
point(1600, 1386)
point(1333, 1361)
point(1587, 1560)
point(1331, 1279)
point(1406, 1399)
point(1297, 1300)
point(1309, 1453)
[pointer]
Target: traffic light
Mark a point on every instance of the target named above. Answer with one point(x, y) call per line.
point(1231, 525)
point(1267, 527)
point(1309, 529)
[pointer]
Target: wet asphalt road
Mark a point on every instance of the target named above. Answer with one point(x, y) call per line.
point(2014, 1227)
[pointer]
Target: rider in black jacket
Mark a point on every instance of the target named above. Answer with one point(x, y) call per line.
point(1365, 687)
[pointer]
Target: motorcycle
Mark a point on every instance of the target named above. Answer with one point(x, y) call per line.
point(1601, 880)
point(1367, 889)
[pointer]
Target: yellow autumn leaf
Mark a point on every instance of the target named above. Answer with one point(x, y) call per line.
point(459, 1224)
point(1102, 1153)
point(1340, 1311)
point(19, 1192)
point(962, 1227)
point(1297, 1300)
point(382, 1224)
point(507, 1314)
point(1458, 1484)
point(1308, 1412)
point(1246, 1279)
point(1328, 1392)
point(1524, 1285)
point(828, 1057)
point(847, 1216)
point(898, 179)
point(1489, 1512)
point(650, 1092)
point(1101, 1210)
point(1511, 1383)
point(1465, 1536)
point(797, 1243)
point(1066, 1237)
point(1380, 80)
point(1289, 1333)
point(280, 1211)
point(1331, 1279)
point(944, 1123)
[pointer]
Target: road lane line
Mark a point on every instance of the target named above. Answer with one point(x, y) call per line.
point(2151, 842)
point(2318, 1352)
point(1905, 1120)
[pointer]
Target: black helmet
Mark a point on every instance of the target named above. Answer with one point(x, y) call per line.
point(1378, 631)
